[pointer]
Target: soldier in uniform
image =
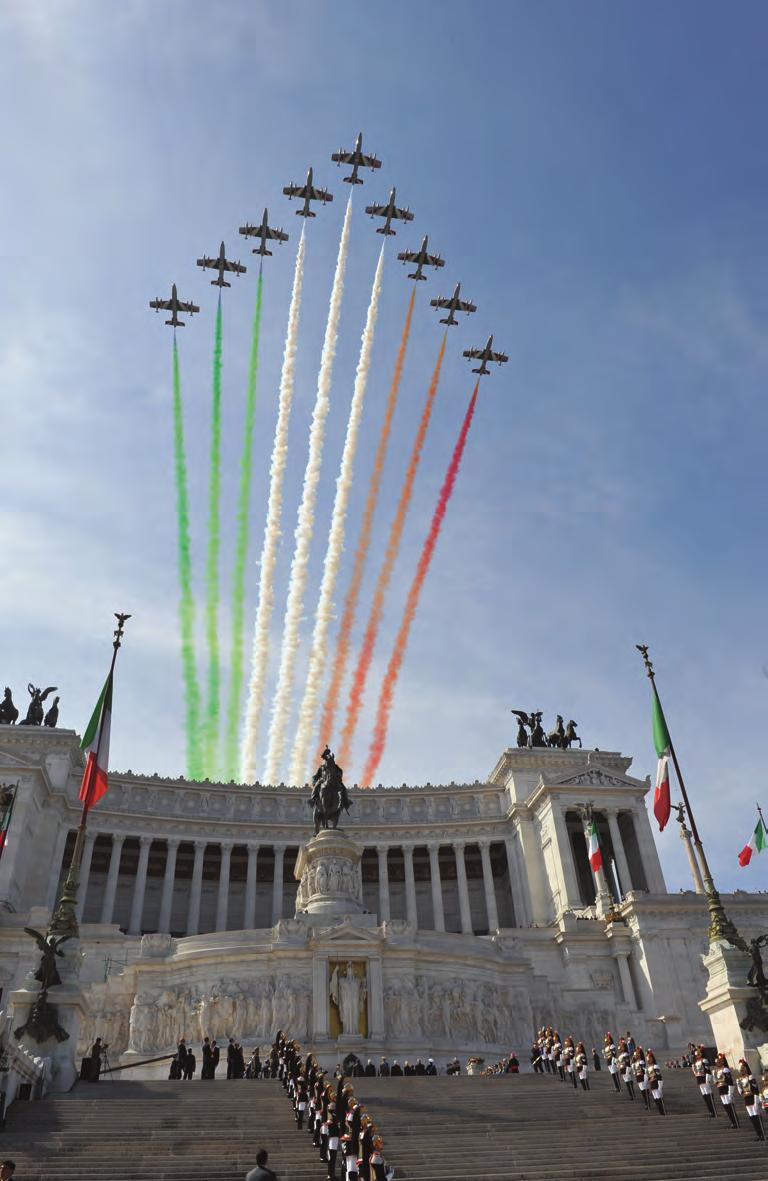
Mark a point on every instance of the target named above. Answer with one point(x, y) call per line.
point(723, 1080)
point(302, 1099)
point(536, 1061)
point(625, 1066)
point(701, 1072)
point(641, 1075)
point(569, 1053)
point(655, 1081)
point(764, 1093)
point(377, 1162)
point(580, 1063)
point(609, 1053)
point(558, 1061)
point(333, 1131)
point(747, 1087)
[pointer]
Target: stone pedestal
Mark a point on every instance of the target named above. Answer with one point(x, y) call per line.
point(726, 1002)
point(72, 1011)
point(328, 872)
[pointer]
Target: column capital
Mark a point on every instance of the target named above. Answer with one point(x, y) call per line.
point(382, 851)
point(226, 846)
point(118, 838)
point(145, 841)
point(201, 842)
point(90, 837)
point(434, 847)
point(172, 842)
point(484, 844)
point(279, 849)
point(409, 850)
point(253, 848)
point(460, 845)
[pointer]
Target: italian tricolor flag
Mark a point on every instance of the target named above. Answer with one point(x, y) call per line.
point(757, 843)
point(595, 856)
point(661, 801)
point(96, 743)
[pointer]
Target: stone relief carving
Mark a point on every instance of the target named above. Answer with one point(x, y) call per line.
point(472, 1011)
point(602, 980)
point(250, 1011)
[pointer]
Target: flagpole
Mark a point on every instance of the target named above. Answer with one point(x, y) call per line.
point(720, 926)
point(8, 814)
point(759, 812)
point(64, 918)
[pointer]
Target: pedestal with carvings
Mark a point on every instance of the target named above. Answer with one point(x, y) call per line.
point(328, 872)
point(726, 1004)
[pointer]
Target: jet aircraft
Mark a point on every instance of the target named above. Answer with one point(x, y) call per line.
point(454, 304)
point(357, 159)
point(390, 213)
point(174, 305)
point(422, 259)
point(221, 264)
point(265, 233)
point(485, 355)
point(308, 193)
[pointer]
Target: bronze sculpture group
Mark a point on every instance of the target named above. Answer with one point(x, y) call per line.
point(329, 794)
point(36, 716)
point(561, 738)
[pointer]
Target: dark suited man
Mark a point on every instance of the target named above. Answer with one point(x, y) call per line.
point(370, 1069)
point(261, 1172)
point(384, 1069)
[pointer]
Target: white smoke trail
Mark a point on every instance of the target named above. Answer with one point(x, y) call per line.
point(281, 704)
point(318, 655)
point(260, 652)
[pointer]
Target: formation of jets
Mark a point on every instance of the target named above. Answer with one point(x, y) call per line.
point(174, 305)
point(264, 232)
point(308, 193)
point(221, 264)
point(422, 258)
point(390, 211)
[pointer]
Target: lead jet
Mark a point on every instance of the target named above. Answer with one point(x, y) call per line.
point(265, 233)
point(174, 305)
point(308, 193)
point(357, 159)
point(485, 355)
point(454, 304)
point(422, 258)
point(221, 264)
point(390, 213)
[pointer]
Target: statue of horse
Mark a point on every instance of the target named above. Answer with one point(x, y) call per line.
point(556, 737)
point(571, 736)
point(329, 794)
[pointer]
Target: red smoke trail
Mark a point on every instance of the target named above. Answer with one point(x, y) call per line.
point(355, 702)
point(401, 642)
point(363, 544)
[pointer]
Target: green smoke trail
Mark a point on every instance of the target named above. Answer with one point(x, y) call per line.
point(186, 598)
point(212, 564)
point(241, 551)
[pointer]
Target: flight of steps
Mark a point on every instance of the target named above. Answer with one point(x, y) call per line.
point(524, 1126)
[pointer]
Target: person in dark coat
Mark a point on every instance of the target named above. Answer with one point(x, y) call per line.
point(408, 1069)
point(513, 1064)
point(420, 1068)
point(97, 1052)
point(231, 1058)
point(397, 1069)
point(206, 1071)
point(261, 1172)
point(596, 1059)
point(384, 1068)
point(431, 1068)
point(370, 1069)
point(189, 1065)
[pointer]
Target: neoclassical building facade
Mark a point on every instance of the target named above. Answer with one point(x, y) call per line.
point(475, 918)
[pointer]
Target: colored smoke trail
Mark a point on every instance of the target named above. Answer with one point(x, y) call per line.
point(401, 641)
point(318, 656)
point(355, 703)
point(260, 654)
point(211, 728)
point(186, 598)
point(364, 542)
point(281, 704)
point(241, 549)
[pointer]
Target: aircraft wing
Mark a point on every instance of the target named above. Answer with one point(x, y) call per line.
point(377, 210)
point(500, 357)
point(410, 256)
point(465, 305)
point(434, 260)
point(475, 353)
point(192, 308)
point(441, 302)
point(295, 191)
point(318, 194)
point(277, 235)
point(205, 261)
point(237, 267)
point(165, 304)
point(401, 214)
point(343, 157)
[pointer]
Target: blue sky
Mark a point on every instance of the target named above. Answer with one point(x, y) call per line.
point(594, 175)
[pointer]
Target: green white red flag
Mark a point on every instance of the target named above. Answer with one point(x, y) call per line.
point(757, 842)
point(96, 743)
point(662, 804)
point(5, 821)
point(594, 853)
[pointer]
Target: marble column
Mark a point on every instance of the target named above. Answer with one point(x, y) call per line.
point(565, 858)
point(384, 911)
point(625, 878)
point(410, 887)
point(648, 852)
point(535, 874)
point(169, 880)
point(222, 899)
point(196, 889)
point(56, 868)
point(249, 911)
point(139, 887)
point(277, 885)
point(627, 987)
point(438, 914)
point(85, 872)
point(521, 899)
point(461, 878)
point(488, 886)
point(110, 890)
